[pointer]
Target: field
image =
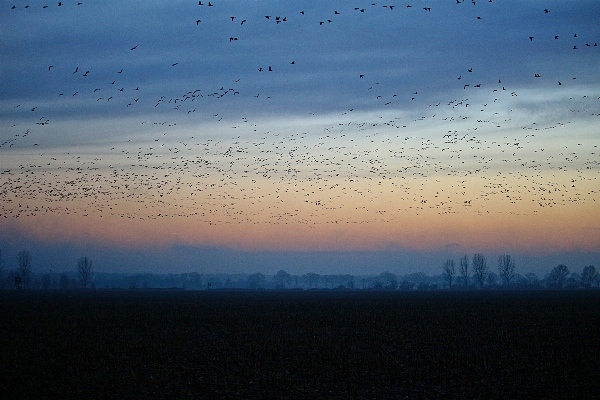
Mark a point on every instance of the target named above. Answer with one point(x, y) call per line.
point(300, 344)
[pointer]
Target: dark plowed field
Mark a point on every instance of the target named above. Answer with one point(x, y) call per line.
point(144, 344)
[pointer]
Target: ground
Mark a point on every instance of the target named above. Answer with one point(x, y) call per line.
point(300, 344)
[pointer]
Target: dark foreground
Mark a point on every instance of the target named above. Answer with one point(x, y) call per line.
point(300, 345)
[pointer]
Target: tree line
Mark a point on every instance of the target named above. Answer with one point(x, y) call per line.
point(23, 277)
point(477, 274)
point(469, 273)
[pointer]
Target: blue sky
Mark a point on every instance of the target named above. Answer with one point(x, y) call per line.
point(396, 132)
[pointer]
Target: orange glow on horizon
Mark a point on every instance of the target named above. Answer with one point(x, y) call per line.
point(545, 232)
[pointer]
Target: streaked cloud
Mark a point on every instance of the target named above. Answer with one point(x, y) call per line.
point(153, 123)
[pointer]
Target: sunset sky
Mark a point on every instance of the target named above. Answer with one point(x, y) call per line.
point(337, 136)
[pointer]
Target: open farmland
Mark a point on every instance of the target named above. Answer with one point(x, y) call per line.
point(300, 344)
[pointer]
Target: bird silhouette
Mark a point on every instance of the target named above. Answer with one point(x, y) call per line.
point(373, 161)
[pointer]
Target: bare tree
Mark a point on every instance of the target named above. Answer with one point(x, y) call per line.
point(479, 268)
point(84, 269)
point(506, 269)
point(24, 261)
point(449, 271)
point(464, 270)
point(588, 276)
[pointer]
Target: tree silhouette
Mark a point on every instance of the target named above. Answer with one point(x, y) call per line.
point(349, 279)
point(558, 277)
point(389, 280)
point(506, 269)
point(491, 279)
point(464, 270)
point(589, 275)
point(532, 280)
point(479, 268)
point(312, 279)
point(282, 279)
point(84, 269)
point(46, 281)
point(64, 281)
point(255, 280)
point(24, 261)
point(449, 271)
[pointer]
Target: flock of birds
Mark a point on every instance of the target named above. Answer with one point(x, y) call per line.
point(370, 162)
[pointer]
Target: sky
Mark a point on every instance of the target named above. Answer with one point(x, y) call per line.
point(338, 137)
